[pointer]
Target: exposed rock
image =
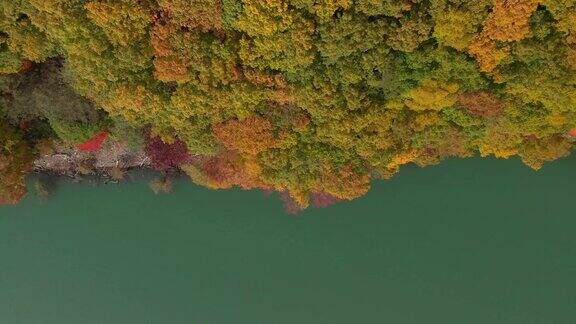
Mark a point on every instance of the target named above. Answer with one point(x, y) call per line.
point(71, 161)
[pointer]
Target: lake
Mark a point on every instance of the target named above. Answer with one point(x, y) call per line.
point(468, 241)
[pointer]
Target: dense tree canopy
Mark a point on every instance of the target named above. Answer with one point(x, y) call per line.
point(309, 98)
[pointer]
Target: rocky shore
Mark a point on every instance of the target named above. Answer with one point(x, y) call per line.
point(113, 158)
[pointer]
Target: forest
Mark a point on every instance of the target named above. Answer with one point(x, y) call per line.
point(313, 99)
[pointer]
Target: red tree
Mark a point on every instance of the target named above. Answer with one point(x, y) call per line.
point(166, 156)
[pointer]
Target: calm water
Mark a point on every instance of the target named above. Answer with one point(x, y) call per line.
point(469, 241)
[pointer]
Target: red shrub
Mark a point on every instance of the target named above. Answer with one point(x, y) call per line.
point(95, 143)
point(26, 66)
point(166, 156)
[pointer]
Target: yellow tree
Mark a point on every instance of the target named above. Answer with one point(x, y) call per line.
point(455, 28)
point(323, 9)
point(431, 95)
point(393, 8)
point(124, 22)
point(279, 37)
point(509, 20)
point(202, 14)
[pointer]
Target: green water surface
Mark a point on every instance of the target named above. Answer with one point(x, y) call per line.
point(468, 241)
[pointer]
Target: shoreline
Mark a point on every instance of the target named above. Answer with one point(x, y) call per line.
point(113, 157)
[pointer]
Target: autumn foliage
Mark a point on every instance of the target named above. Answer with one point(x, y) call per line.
point(312, 99)
point(94, 143)
point(481, 103)
point(250, 136)
point(164, 155)
point(15, 161)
